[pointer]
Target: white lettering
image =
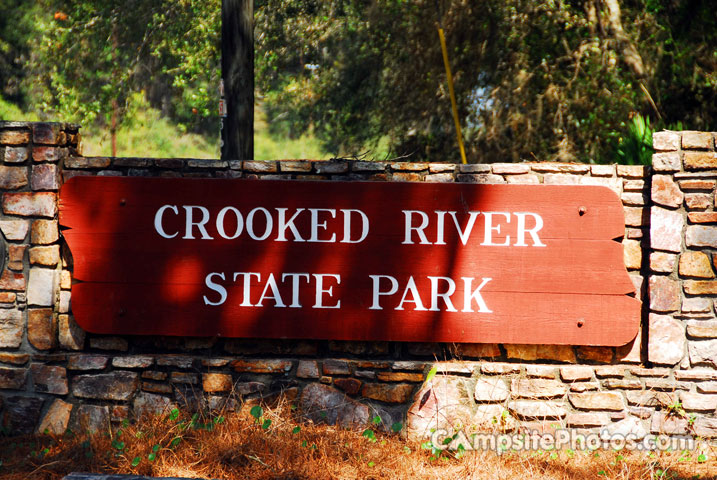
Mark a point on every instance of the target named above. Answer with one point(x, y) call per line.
point(446, 296)
point(376, 292)
point(200, 224)
point(320, 290)
point(250, 223)
point(220, 223)
point(419, 230)
point(216, 287)
point(532, 231)
point(284, 224)
point(347, 226)
point(489, 228)
point(475, 295)
point(315, 225)
point(158, 220)
point(295, 277)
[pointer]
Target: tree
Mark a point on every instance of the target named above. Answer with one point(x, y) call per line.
point(556, 80)
point(91, 55)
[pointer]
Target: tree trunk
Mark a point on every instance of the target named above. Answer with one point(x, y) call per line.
point(238, 76)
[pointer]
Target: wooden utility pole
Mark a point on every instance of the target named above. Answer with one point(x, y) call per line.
point(238, 78)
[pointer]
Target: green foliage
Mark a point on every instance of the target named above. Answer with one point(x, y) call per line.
point(534, 80)
point(635, 148)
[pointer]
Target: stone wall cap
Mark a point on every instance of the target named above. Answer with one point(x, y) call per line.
point(16, 124)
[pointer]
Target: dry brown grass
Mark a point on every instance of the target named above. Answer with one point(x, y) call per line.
point(237, 447)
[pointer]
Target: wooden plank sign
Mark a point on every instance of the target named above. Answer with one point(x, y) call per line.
point(349, 260)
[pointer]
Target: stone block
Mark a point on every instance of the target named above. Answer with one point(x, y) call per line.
point(491, 389)
point(92, 419)
point(576, 373)
point(26, 204)
point(698, 201)
point(665, 141)
point(664, 294)
point(705, 427)
point(530, 179)
point(666, 229)
point(49, 379)
point(44, 232)
point(14, 137)
point(697, 140)
point(530, 409)
point(701, 236)
point(262, 366)
point(15, 154)
point(560, 353)
point(699, 160)
point(118, 386)
point(696, 305)
point(666, 340)
point(668, 424)
point(477, 350)
point(697, 184)
point(632, 253)
point(336, 367)
point(133, 361)
point(41, 328)
point(324, 404)
point(662, 262)
point(146, 404)
point(537, 388)
point(666, 192)
point(45, 176)
point(702, 217)
point(87, 362)
point(307, 369)
point(695, 264)
point(706, 329)
point(703, 352)
point(351, 386)
point(597, 401)
point(46, 133)
point(389, 393)
point(602, 170)
point(11, 328)
point(12, 378)
point(400, 377)
point(499, 368)
point(46, 255)
point(12, 281)
point(510, 168)
point(700, 287)
point(633, 216)
point(70, 335)
point(52, 155)
point(540, 371)
point(696, 402)
point(666, 162)
point(217, 382)
point(42, 287)
point(14, 230)
point(12, 178)
point(595, 354)
point(56, 419)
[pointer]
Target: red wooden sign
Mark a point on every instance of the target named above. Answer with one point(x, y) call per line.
point(349, 260)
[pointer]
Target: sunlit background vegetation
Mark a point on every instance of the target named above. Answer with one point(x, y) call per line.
point(580, 80)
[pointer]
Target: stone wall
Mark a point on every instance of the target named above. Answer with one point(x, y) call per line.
point(54, 375)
